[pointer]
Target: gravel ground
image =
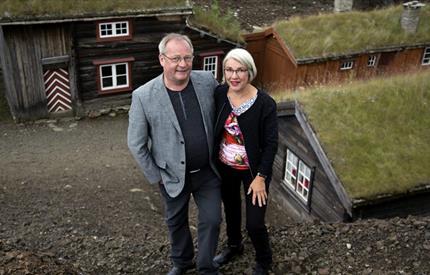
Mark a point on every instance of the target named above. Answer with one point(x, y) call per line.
point(73, 202)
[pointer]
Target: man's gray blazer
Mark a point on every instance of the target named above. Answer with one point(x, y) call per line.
point(154, 136)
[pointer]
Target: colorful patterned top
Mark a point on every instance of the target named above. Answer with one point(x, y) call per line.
point(232, 148)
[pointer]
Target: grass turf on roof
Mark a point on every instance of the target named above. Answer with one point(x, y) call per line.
point(376, 134)
point(18, 9)
point(342, 33)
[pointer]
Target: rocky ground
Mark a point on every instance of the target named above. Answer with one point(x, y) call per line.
point(73, 202)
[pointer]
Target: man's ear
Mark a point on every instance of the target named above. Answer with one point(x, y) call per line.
point(161, 59)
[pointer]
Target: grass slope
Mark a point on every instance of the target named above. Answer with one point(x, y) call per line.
point(376, 134)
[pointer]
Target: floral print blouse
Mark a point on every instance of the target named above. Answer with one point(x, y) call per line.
point(232, 148)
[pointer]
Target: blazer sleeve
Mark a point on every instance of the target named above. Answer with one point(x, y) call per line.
point(138, 140)
point(270, 137)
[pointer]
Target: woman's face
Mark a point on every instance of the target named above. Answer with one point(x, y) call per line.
point(236, 75)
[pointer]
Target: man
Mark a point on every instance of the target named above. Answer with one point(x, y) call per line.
point(170, 136)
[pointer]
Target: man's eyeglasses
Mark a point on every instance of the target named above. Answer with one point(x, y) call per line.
point(239, 72)
point(177, 59)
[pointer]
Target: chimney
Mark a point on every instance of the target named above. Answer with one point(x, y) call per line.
point(411, 16)
point(342, 5)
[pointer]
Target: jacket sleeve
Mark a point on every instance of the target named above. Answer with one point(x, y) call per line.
point(269, 137)
point(139, 141)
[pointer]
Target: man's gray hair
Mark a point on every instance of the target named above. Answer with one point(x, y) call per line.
point(173, 36)
point(244, 57)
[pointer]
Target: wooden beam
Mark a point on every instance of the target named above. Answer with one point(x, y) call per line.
point(56, 60)
point(7, 75)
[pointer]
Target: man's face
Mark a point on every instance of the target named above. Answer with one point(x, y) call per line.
point(177, 62)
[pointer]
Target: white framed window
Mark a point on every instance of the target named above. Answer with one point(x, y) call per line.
point(303, 181)
point(114, 76)
point(297, 176)
point(114, 29)
point(346, 65)
point(426, 56)
point(210, 63)
point(291, 169)
point(371, 62)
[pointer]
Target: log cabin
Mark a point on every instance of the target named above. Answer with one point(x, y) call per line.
point(355, 152)
point(339, 47)
point(69, 61)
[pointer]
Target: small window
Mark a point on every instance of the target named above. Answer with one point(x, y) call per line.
point(347, 65)
point(114, 75)
point(291, 169)
point(371, 62)
point(298, 180)
point(426, 56)
point(113, 31)
point(210, 63)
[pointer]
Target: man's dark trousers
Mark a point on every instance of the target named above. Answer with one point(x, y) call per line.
point(204, 185)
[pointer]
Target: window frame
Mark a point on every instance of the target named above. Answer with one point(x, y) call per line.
point(218, 54)
point(113, 63)
point(215, 64)
point(372, 61)
point(294, 185)
point(113, 37)
point(425, 61)
point(346, 65)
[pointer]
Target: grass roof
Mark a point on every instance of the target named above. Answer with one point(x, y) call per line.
point(376, 134)
point(21, 9)
point(224, 24)
point(342, 33)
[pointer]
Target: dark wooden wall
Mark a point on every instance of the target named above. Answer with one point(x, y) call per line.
point(147, 33)
point(323, 202)
point(22, 49)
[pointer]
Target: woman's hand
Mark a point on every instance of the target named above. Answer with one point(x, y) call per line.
point(258, 189)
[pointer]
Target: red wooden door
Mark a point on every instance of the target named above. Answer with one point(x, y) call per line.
point(57, 89)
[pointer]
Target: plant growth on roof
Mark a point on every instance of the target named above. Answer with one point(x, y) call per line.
point(213, 19)
point(376, 133)
point(67, 8)
point(343, 33)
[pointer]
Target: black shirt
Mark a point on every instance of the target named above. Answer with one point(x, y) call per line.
point(188, 113)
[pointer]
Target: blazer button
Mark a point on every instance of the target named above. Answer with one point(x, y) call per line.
point(182, 162)
point(182, 142)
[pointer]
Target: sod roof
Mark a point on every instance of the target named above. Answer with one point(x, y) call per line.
point(36, 10)
point(346, 33)
point(376, 134)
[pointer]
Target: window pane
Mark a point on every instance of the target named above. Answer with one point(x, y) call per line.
point(121, 69)
point(107, 82)
point(106, 71)
point(121, 80)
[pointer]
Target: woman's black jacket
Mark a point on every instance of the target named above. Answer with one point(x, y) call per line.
point(259, 126)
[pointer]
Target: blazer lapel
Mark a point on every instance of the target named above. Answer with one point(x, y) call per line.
point(201, 89)
point(166, 105)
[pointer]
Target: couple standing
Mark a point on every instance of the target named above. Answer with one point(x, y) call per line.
point(184, 128)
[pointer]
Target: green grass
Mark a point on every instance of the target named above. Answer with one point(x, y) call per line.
point(11, 9)
point(223, 24)
point(376, 134)
point(342, 33)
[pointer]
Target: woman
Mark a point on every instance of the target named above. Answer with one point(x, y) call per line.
point(246, 138)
